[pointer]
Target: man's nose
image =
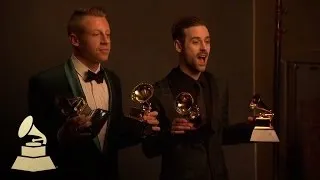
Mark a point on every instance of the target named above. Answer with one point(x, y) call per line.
point(203, 46)
point(105, 39)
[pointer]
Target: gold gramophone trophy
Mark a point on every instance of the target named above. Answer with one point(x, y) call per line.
point(185, 106)
point(263, 130)
point(141, 95)
point(71, 107)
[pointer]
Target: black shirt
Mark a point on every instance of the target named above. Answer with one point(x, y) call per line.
point(194, 142)
point(181, 82)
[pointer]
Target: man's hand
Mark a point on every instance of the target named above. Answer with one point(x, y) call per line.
point(151, 119)
point(73, 128)
point(180, 126)
point(251, 119)
point(78, 123)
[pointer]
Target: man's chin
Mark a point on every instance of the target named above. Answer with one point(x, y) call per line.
point(102, 59)
point(201, 68)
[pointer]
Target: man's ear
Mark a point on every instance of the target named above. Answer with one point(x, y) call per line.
point(74, 40)
point(177, 45)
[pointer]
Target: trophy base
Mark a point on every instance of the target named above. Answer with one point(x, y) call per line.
point(33, 164)
point(98, 117)
point(264, 134)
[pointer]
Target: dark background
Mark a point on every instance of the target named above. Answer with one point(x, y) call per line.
point(34, 38)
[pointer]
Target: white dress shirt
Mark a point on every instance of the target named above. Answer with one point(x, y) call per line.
point(97, 95)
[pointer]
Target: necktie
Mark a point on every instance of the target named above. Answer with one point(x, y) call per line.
point(98, 77)
point(201, 103)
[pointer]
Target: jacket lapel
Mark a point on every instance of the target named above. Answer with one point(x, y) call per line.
point(76, 88)
point(214, 102)
point(73, 79)
point(111, 94)
point(167, 99)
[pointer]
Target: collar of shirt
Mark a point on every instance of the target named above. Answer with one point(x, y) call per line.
point(81, 68)
point(184, 81)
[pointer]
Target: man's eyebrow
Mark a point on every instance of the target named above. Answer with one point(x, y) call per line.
point(198, 38)
point(195, 37)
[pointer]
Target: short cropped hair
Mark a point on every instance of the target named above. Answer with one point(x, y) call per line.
point(177, 29)
point(74, 25)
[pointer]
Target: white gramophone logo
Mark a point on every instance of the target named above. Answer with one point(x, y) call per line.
point(33, 155)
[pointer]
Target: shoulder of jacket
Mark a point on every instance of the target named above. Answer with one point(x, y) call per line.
point(50, 73)
point(217, 78)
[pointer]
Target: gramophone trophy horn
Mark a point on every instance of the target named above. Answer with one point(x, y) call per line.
point(263, 130)
point(186, 107)
point(28, 128)
point(141, 95)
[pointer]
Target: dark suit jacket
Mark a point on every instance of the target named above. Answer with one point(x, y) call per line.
point(81, 159)
point(177, 159)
